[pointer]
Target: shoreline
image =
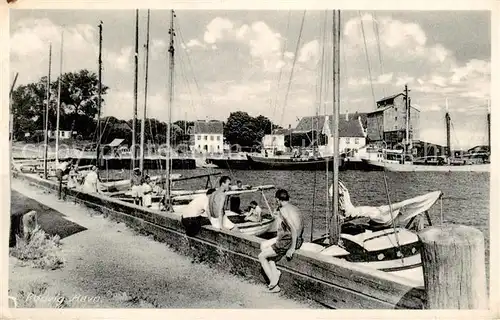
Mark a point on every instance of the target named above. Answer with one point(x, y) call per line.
point(110, 265)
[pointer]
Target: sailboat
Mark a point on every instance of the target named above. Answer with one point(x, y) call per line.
point(121, 186)
point(373, 236)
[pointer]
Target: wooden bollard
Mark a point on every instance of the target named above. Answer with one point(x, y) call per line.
point(453, 260)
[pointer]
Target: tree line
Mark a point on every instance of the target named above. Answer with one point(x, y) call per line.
point(79, 109)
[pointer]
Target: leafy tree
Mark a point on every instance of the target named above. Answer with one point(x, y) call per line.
point(79, 104)
point(28, 108)
point(245, 130)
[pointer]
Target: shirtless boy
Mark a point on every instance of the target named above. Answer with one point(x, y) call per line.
point(289, 239)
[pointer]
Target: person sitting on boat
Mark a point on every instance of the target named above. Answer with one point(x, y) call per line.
point(383, 215)
point(195, 215)
point(73, 177)
point(255, 212)
point(235, 201)
point(147, 191)
point(216, 203)
point(289, 239)
point(136, 182)
point(91, 181)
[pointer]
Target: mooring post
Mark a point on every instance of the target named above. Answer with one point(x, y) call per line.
point(453, 260)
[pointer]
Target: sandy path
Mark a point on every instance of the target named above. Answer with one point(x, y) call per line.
point(115, 267)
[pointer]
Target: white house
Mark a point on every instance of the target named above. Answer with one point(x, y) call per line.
point(207, 136)
point(275, 142)
point(63, 134)
point(352, 134)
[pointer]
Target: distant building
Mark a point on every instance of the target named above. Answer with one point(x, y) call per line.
point(207, 136)
point(63, 134)
point(352, 134)
point(275, 142)
point(388, 122)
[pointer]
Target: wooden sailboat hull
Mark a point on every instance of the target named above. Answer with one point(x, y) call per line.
point(287, 163)
point(374, 165)
point(378, 250)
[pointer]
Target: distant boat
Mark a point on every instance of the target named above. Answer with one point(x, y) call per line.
point(392, 160)
point(290, 163)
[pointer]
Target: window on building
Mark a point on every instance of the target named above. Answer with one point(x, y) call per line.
point(205, 138)
point(218, 138)
point(356, 140)
point(218, 147)
point(396, 118)
point(347, 140)
point(199, 137)
point(211, 138)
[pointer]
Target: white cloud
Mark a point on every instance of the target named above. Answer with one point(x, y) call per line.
point(194, 43)
point(289, 55)
point(216, 29)
point(158, 48)
point(30, 42)
point(122, 60)
point(402, 80)
point(309, 51)
point(385, 78)
point(264, 44)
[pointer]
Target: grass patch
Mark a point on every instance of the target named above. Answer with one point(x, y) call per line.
point(40, 251)
point(35, 295)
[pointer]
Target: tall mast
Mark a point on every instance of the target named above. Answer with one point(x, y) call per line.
point(99, 61)
point(46, 138)
point(448, 121)
point(334, 224)
point(488, 119)
point(143, 122)
point(136, 61)
point(171, 50)
point(59, 98)
point(407, 124)
point(410, 136)
point(11, 138)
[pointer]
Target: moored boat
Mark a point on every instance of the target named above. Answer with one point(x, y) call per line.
point(373, 240)
point(290, 163)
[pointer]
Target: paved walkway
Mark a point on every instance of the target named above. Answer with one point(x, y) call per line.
point(119, 268)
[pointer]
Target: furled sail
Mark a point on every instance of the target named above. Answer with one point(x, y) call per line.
point(401, 211)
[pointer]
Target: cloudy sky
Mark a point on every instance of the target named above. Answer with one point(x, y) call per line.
point(242, 60)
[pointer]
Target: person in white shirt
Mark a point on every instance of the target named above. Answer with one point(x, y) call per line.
point(90, 184)
point(147, 191)
point(255, 212)
point(196, 214)
point(62, 170)
point(73, 177)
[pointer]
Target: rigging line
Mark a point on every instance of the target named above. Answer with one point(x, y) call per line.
point(281, 69)
point(344, 59)
point(188, 56)
point(377, 36)
point(366, 54)
point(293, 66)
point(384, 163)
point(323, 32)
point(182, 74)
